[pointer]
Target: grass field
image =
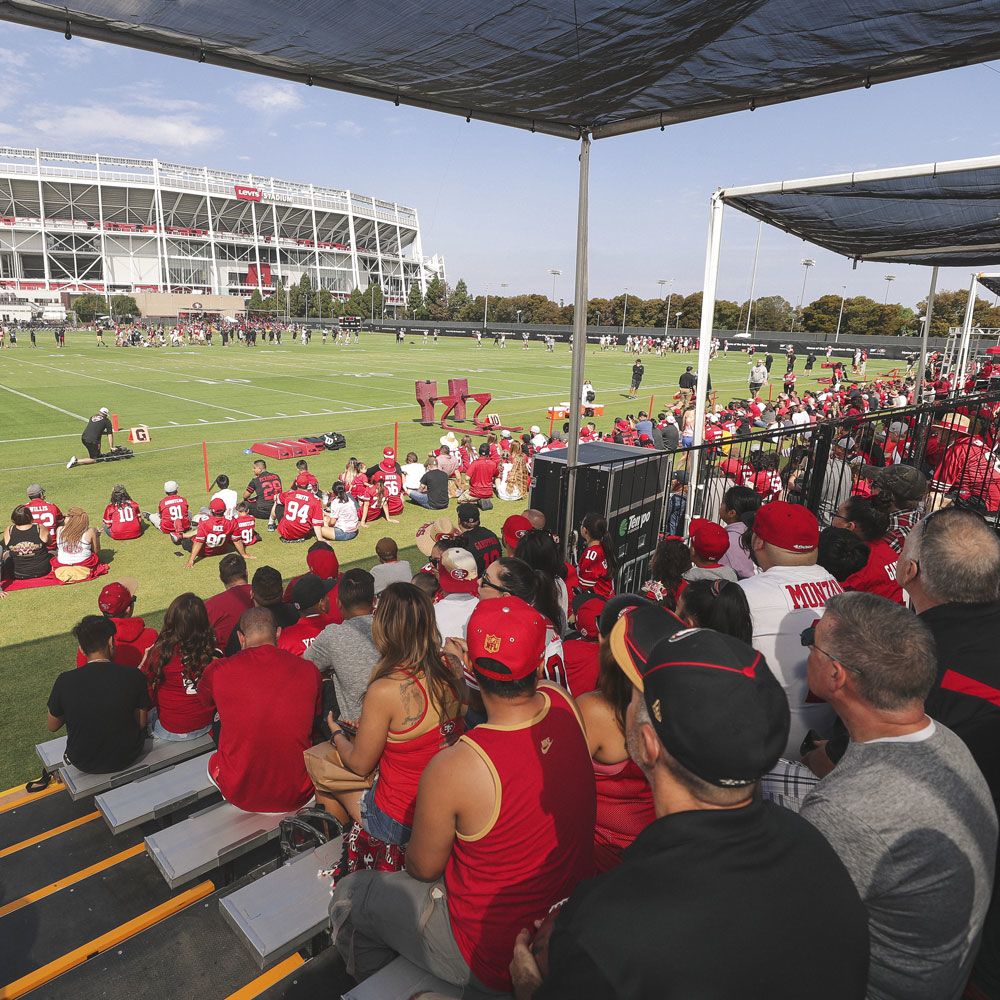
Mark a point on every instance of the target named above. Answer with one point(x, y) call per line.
point(231, 398)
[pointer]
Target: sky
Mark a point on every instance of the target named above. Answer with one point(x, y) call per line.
point(499, 203)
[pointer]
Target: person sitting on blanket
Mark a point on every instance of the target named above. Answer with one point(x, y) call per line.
point(77, 543)
point(27, 545)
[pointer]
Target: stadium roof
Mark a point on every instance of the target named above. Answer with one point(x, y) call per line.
point(990, 282)
point(599, 66)
point(946, 214)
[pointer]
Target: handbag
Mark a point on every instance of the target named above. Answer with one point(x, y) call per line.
point(328, 773)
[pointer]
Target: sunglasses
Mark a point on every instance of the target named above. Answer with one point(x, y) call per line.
point(485, 581)
point(808, 639)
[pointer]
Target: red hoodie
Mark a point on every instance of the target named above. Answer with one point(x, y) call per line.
point(131, 642)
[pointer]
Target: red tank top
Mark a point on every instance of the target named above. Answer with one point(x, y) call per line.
point(403, 762)
point(539, 844)
point(624, 810)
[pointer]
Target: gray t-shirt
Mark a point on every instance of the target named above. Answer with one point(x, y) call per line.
point(711, 573)
point(391, 572)
point(347, 653)
point(914, 824)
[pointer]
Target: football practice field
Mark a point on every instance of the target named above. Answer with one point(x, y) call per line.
point(230, 398)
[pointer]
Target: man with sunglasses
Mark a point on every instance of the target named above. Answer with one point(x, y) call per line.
point(906, 808)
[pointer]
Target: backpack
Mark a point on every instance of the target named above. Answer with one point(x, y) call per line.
point(307, 829)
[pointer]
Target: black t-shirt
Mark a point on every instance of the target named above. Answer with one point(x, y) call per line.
point(97, 426)
point(266, 488)
point(436, 482)
point(483, 544)
point(98, 701)
point(715, 904)
point(637, 372)
point(687, 380)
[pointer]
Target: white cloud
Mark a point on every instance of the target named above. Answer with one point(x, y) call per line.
point(100, 125)
point(347, 127)
point(312, 123)
point(9, 58)
point(269, 97)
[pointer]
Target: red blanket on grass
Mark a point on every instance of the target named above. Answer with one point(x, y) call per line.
point(51, 580)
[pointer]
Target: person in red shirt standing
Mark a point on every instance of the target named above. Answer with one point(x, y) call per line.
point(301, 516)
point(224, 609)
point(388, 477)
point(43, 513)
point(117, 602)
point(481, 474)
point(311, 598)
point(174, 666)
point(503, 827)
point(267, 700)
point(580, 653)
point(122, 517)
point(172, 516)
point(597, 563)
point(214, 534)
point(878, 576)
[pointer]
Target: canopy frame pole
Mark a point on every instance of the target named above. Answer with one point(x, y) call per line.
point(712, 253)
point(579, 342)
point(963, 353)
point(928, 313)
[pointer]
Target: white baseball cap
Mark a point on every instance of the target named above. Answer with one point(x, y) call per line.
point(104, 410)
point(535, 429)
point(170, 486)
point(505, 434)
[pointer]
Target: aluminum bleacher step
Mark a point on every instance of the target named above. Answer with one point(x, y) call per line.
point(156, 755)
point(51, 754)
point(399, 980)
point(279, 913)
point(156, 795)
point(208, 839)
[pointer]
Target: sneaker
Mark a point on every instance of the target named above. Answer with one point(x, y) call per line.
point(144, 513)
point(71, 462)
point(271, 526)
point(175, 538)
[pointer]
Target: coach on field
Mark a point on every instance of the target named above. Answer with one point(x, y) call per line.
point(97, 426)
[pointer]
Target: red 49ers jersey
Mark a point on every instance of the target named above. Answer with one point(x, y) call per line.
point(215, 531)
point(392, 489)
point(593, 571)
point(43, 513)
point(245, 528)
point(174, 514)
point(303, 511)
point(123, 521)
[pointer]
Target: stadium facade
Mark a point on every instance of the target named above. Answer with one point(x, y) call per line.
point(80, 222)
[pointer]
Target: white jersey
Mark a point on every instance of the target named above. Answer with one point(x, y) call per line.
point(553, 664)
point(784, 601)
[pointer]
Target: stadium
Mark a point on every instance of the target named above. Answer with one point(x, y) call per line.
point(85, 222)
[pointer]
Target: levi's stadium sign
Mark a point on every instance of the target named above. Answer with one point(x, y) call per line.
point(247, 193)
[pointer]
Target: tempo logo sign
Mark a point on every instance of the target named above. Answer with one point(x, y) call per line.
point(247, 193)
point(634, 522)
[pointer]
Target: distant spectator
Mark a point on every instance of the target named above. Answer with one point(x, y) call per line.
point(262, 490)
point(173, 667)
point(720, 605)
point(341, 515)
point(676, 502)
point(481, 473)
point(311, 599)
point(44, 513)
point(458, 577)
point(708, 542)
point(737, 502)
point(838, 480)
point(669, 562)
point(224, 493)
point(480, 541)
point(224, 609)
point(117, 602)
point(412, 470)
point(345, 654)
point(597, 563)
point(27, 543)
point(431, 490)
point(389, 569)
point(899, 490)
point(103, 704)
point(878, 576)
point(267, 700)
point(172, 516)
point(122, 517)
point(77, 543)
point(266, 592)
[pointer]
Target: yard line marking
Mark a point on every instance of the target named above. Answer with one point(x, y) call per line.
point(41, 402)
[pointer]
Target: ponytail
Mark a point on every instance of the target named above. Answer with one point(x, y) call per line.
point(597, 529)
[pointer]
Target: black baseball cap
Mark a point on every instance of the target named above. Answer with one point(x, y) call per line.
point(468, 511)
point(638, 630)
point(613, 609)
point(308, 590)
point(715, 705)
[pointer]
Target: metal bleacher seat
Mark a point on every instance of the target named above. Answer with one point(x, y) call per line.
point(279, 913)
point(156, 795)
point(401, 978)
point(208, 839)
point(156, 755)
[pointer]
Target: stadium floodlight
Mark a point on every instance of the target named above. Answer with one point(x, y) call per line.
point(840, 315)
point(807, 262)
point(661, 283)
point(889, 279)
point(555, 272)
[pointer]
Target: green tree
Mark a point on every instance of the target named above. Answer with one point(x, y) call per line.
point(727, 314)
point(862, 317)
point(414, 301)
point(472, 309)
point(949, 311)
point(89, 306)
point(256, 302)
point(598, 311)
point(371, 302)
point(820, 316)
point(458, 299)
point(124, 307)
point(772, 312)
point(435, 299)
point(356, 304)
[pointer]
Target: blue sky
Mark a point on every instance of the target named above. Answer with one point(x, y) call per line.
point(499, 203)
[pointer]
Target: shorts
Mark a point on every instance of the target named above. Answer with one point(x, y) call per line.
point(634, 385)
point(380, 825)
point(93, 450)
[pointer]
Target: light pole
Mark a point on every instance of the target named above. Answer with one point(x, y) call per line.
point(807, 262)
point(677, 326)
point(486, 304)
point(840, 315)
point(661, 283)
point(598, 319)
point(889, 279)
point(519, 316)
point(555, 272)
point(624, 312)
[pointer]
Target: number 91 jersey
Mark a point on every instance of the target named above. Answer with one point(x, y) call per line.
point(302, 513)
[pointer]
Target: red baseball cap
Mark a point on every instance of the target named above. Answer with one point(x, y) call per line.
point(506, 638)
point(708, 539)
point(587, 616)
point(217, 506)
point(514, 529)
point(115, 598)
point(388, 452)
point(458, 572)
point(788, 526)
point(322, 560)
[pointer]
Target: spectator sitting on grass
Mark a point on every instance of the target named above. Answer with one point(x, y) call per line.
point(122, 517)
point(27, 544)
point(77, 543)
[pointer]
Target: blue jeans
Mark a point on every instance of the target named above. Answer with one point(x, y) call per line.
point(160, 733)
point(380, 825)
point(343, 536)
point(420, 498)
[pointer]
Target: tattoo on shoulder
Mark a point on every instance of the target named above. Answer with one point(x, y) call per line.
point(412, 700)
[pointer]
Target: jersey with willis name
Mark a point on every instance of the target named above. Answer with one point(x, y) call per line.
point(392, 489)
point(45, 514)
point(174, 514)
point(302, 513)
point(215, 532)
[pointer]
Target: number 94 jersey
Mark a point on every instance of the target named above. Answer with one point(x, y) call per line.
point(302, 513)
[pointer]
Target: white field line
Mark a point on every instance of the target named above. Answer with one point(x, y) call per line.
point(41, 402)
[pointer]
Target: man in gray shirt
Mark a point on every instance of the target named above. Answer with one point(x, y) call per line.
point(906, 808)
point(346, 653)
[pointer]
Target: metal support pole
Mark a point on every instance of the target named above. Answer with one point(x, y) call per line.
point(705, 344)
point(579, 341)
point(963, 354)
point(753, 276)
point(928, 313)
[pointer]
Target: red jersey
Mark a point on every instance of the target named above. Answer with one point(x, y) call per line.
point(122, 521)
point(624, 810)
point(299, 637)
point(132, 639)
point(392, 489)
point(593, 571)
point(174, 516)
point(224, 611)
point(47, 515)
point(580, 661)
point(176, 699)
point(245, 528)
point(482, 472)
point(305, 481)
point(540, 843)
point(303, 512)
point(267, 700)
point(878, 575)
point(215, 532)
point(968, 463)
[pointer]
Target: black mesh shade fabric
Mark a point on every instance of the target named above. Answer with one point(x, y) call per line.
point(556, 67)
point(945, 214)
point(991, 282)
